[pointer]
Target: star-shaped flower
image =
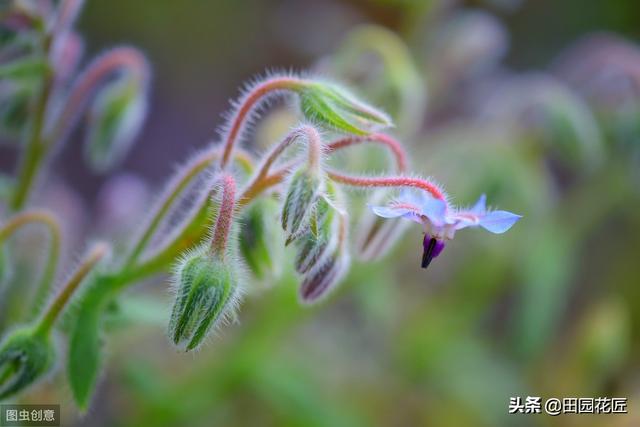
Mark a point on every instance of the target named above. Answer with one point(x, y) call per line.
point(440, 221)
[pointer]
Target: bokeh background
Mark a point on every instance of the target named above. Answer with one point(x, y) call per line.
point(535, 102)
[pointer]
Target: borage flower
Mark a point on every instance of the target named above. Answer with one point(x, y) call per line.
point(441, 221)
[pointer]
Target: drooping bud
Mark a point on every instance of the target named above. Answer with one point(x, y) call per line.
point(321, 237)
point(335, 108)
point(115, 119)
point(322, 279)
point(24, 358)
point(304, 187)
point(207, 291)
point(257, 239)
point(325, 260)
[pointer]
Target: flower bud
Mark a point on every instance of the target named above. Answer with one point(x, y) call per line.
point(304, 186)
point(24, 358)
point(115, 119)
point(337, 109)
point(207, 291)
point(323, 258)
point(322, 279)
point(257, 240)
point(319, 237)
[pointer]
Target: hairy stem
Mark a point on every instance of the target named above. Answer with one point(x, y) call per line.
point(49, 270)
point(394, 181)
point(378, 138)
point(117, 59)
point(199, 164)
point(61, 300)
point(195, 167)
point(225, 217)
point(262, 180)
point(247, 104)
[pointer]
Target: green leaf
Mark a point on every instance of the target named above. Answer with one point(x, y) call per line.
point(85, 349)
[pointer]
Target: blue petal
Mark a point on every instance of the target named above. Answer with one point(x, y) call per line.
point(498, 221)
point(393, 212)
point(435, 210)
point(481, 205)
point(388, 212)
point(413, 196)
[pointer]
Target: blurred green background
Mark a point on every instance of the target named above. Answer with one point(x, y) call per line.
point(550, 309)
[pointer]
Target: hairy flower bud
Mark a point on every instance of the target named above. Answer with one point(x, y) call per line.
point(207, 291)
point(335, 108)
point(257, 240)
point(304, 186)
point(115, 119)
point(323, 258)
point(24, 358)
point(321, 236)
point(323, 278)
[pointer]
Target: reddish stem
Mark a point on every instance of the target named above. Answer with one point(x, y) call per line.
point(263, 181)
point(225, 216)
point(380, 138)
point(257, 93)
point(120, 58)
point(399, 181)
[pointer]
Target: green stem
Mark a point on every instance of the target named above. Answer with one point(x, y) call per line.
point(246, 105)
point(60, 301)
point(50, 222)
point(35, 151)
point(197, 165)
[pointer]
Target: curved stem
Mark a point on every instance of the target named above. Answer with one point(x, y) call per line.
point(258, 187)
point(193, 169)
point(120, 58)
point(50, 222)
point(225, 217)
point(246, 105)
point(314, 153)
point(394, 181)
point(372, 182)
point(61, 300)
point(379, 138)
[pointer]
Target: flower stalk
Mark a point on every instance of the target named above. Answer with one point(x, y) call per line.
point(225, 217)
point(58, 304)
point(52, 226)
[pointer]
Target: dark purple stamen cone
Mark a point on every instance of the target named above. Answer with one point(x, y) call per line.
point(432, 248)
